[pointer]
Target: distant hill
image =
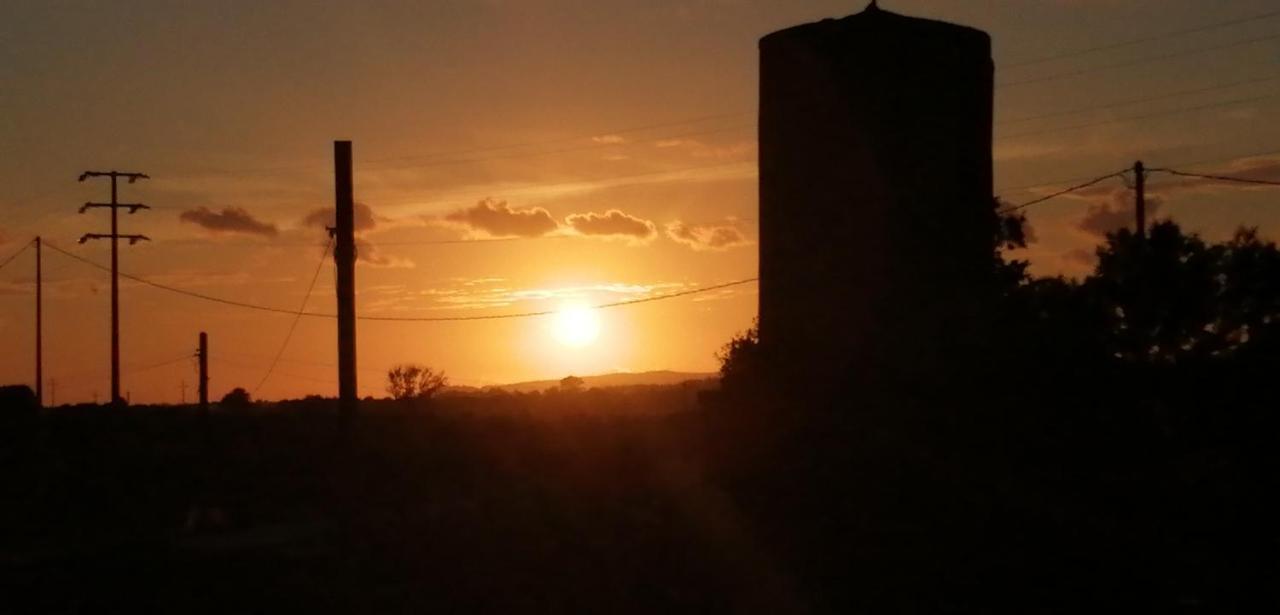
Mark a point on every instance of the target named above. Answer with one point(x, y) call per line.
point(620, 379)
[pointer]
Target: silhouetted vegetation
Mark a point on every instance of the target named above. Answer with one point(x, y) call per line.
point(1106, 445)
point(236, 398)
point(571, 383)
point(412, 381)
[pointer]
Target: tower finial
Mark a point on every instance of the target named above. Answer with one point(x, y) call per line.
point(873, 6)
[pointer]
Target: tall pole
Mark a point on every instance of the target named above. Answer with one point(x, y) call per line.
point(115, 238)
point(39, 329)
point(344, 256)
point(202, 354)
point(115, 297)
point(1140, 199)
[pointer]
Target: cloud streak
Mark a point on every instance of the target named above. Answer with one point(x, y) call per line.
point(233, 220)
point(612, 223)
point(497, 219)
point(706, 237)
point(364, 218)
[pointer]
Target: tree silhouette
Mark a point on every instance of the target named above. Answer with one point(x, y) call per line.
point(413, 381)
point(741, 361)
point(1172, 296)
point(571, 383)
point(236, 398)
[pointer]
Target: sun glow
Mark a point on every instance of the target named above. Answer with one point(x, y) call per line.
point(576, 326)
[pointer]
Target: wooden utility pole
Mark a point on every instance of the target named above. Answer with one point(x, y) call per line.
point(202, 354)
point(1140, 199)
point(39, 329)
point(344, 256)
point(115, 238)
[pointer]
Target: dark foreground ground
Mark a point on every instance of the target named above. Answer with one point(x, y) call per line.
point(626, 503)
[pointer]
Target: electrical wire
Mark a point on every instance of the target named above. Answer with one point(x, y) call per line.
point(580, 148)
point(1146, 39)
point(135, 370)
point(1137, 61)
point(1145, 116)
point(1042, 199)
point(264, 308)
point(1134, 101)
point(661, 297)
point(180, 291)
point(294, 325)
point(492, 148)
point(1224, 178)
point(6, 261)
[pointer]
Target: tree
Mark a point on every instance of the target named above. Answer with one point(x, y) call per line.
point(572, 383)
point(741, 363)
point(413, 381)
point(1171, 296)
point(236, 398)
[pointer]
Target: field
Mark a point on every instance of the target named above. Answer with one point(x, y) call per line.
point(626, 500)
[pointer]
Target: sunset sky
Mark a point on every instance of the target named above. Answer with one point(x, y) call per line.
point(594, 152)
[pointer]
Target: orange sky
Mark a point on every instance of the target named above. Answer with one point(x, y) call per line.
point(530, 121)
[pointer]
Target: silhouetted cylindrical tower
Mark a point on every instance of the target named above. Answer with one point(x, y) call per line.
point(875, 189)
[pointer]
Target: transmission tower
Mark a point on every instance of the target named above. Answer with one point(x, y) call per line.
point(115, 238)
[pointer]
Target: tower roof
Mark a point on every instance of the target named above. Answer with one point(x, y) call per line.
point(877, 23)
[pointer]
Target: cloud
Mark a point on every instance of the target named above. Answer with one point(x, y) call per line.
point(1116, 212)
point(364, 219)
point(229, 220)
point(498, 219)
point(706, 237)
point(612, 223)
point(608, 139)
point(700, 149)
point(368, 254)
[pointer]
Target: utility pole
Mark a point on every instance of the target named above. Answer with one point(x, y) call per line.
point(39, 329)
point(344, 256)
point(202, 355)
point(115, 238)
point(1140, 199)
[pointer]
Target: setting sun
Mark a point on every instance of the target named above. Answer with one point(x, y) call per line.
point(576, 326)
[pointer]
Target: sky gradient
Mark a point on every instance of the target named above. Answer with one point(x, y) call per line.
point(596, 152)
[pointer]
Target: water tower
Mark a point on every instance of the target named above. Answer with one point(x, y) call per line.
point(875, 190)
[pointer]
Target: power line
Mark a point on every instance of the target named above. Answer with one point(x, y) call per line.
point(178, 290)
point(15, 255)
point(1225, 178)
point(264, 308)
point(1059, 193)
point(469, 194)
point(594, 146)
point(1130, 118)
point(134, 370)
point(1134, 101)
point(1146, 39)
point(1227, 159)
point(242, 366)
point(1045, 184)
point(492, 148)
point(661, 297)
point(1137, 61)
point(294, 325)
point(599, 133)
